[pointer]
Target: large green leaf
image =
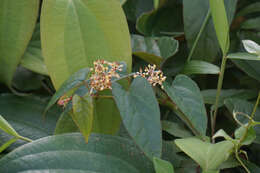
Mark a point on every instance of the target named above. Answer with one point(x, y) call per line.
point(239, 105)
point(207, 46)
point(17, 21)
point(69, 154)
point(82, 114)
point(219, 16)
point(154, 49)
point(75, 34)
point(25, 116)
point(183, 92)
point(159, 22)
point(199, 67)
point(208, 156)
point(140, 114)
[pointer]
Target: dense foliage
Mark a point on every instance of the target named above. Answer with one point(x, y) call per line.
point(163, 86)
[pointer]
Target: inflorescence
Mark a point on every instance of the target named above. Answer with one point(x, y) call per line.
point(104, 71)
point(152, 75)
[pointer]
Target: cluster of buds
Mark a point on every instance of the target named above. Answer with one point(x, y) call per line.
point(102, 75)
point(64, 100)
point(152, 75)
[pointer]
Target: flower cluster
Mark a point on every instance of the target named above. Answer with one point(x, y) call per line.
point(103, 72)
point(64, 100)
point(152, 75)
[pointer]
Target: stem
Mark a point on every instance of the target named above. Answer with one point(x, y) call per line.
point(251, 121)
point(220, 82)
point(198, 36)
point(240, 161)
point(24, 138)
point(256, 105)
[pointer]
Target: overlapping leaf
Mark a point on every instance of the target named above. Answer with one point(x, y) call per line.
point(69, 153)
point(208, 156)
point(154, 49)
point(140, 114)
point(17, 22)
point(77, 33)
point(185, 93)
point(25, 115)
point(206, 48)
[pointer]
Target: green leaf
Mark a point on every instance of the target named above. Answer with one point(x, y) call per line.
point(154, 49)
point(220, 20)
point(72, 82)
point(239, 105)
point(207, 46)
point(71, 31)
point(199, 67)
point(252, 8)
point(7, 128)
point(208, 156)
point(140, 114)
point(65, 124)
point(69, 154)
point(243, 56)
point(251, 68)
point(17, 21)
point(27, 81)
point(162, 166)
point(222, 133)
point(183, 92)
point(25, 115)
point(209, 96)
point(175, 129)
point(122, 2)
point(156, 22)
point(107, 118)
point(250, 137)
point(251, 24)
point(32, 58)
point(82, 114)
point(134, 8)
